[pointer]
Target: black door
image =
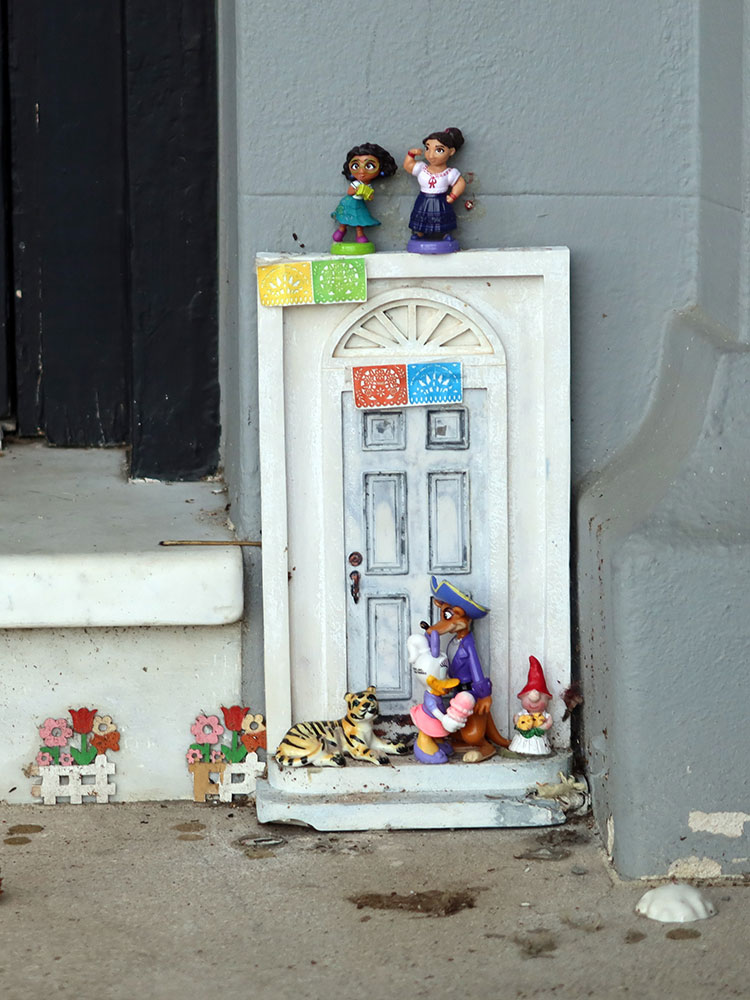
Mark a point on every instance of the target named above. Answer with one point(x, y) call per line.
point(109, 260)
point(7, 342)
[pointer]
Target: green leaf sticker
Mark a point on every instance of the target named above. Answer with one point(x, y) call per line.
point(83, 757)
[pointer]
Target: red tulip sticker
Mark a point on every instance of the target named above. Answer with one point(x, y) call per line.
point(83, 723)
point(83, 719)
point(233, 718)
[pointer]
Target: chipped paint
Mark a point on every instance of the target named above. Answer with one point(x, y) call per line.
point(611, 836)
point(694, 867)
point(726, 824)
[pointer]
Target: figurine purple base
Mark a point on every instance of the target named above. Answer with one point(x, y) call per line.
point(446, 244)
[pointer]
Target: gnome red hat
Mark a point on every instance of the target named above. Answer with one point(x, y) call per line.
point(536, 681)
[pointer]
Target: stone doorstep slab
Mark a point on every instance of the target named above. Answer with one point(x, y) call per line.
point(499, 774)
point(399, 811)
point(412, 796)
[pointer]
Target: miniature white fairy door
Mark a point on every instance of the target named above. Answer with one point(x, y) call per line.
point(422, 432)
point(416, 480)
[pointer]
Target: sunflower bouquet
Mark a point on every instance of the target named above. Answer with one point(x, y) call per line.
point(530, 724)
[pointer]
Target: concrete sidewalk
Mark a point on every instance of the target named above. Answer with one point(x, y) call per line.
point(178, 900)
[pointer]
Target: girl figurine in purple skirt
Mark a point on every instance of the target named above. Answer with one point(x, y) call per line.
point(363, 165)
point(433, 219)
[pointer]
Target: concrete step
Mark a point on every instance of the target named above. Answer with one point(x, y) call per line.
point(413, 796)
point(94, 612)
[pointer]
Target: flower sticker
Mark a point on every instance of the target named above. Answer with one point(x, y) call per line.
point(253, 724)
point(230, 759)
point(55, 732)
point(247, 731)
point(70, 744)
point(106, 741)
point(206, 729)
point(233, 717)
point(83, 723)
point(83, 719)
point(254, 733)
point(103, 724)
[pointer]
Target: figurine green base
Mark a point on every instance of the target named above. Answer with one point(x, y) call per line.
point(352, 249)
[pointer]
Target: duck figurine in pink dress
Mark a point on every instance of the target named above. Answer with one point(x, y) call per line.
point(434, 721)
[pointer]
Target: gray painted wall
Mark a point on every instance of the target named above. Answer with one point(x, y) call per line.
point(723, 136)
point(663, 531)
point(580, 125)
point(586, 125)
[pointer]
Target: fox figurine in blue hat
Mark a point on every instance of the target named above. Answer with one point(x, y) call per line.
point(457, 614)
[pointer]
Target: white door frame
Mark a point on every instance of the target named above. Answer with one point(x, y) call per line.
point(519, 298)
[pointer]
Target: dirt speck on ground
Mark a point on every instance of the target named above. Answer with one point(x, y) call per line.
point(256, 853)
point(337, 846)
point(568, 834)
point(536, 944)
point(432, 903)
point(551, 852)
point(682, 934)
point(633, 937)
point(588, 922)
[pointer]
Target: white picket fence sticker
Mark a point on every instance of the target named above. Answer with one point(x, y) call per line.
point(76, 782)
point(239, 779)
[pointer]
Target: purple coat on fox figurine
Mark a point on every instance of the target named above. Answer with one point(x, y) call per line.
point(458, 612)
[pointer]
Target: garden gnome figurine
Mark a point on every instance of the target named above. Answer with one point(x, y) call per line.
point(533, 722)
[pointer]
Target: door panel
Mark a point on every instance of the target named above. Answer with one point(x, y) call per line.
point(450, 530)
point(415, 501)
point(387, 632)
point(386, 528)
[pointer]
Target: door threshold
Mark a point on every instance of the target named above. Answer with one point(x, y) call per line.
point(396, 811)
point(412, 796)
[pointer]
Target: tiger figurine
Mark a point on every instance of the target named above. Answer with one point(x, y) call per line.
point(324, 744)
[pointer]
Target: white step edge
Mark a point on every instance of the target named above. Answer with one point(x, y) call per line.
point(79, 545)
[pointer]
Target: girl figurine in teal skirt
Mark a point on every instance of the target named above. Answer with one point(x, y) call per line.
point(363, 165)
